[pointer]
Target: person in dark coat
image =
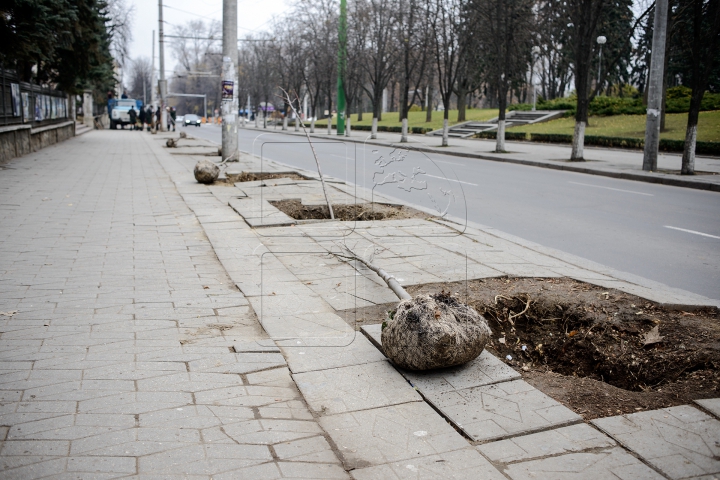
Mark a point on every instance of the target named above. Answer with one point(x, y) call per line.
point(149, 118)
point(173, 115)
point(141, 118)
point(133, 118)
point(158, 118)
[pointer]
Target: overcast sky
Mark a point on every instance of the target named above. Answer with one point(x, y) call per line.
point(253, 15)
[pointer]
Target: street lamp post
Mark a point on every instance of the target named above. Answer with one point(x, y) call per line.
point(601, 41)
point(536, 52)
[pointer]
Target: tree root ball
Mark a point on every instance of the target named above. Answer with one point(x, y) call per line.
point(206, 172)
point(434, 331)
point(171, 143)
point(183, 135)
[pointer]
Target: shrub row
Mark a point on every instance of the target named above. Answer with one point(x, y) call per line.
point(383, 128)
point(706, 148)
point(605, 106)
point(508, 135)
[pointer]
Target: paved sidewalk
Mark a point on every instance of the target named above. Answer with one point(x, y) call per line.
point(151, 329)
point(616, 163)
point(119, 329)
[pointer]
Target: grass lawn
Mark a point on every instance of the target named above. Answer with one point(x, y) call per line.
point(417, 119)
point(633, 126)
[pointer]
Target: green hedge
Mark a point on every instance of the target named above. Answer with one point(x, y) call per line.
point(383, 128)
point(520, 136)
point(677, 101)
point(703, 148)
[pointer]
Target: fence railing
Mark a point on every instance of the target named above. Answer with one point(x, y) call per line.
point(30, 104)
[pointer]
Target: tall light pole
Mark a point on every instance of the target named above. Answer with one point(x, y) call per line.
point(162, 84)
point(601, 41)
point(342, 61)
point(655, 87)
point(536, 52)
point(229, 91)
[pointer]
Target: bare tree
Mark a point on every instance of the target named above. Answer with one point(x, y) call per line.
point(448, 51)
point(381, 51)
point(505, 38)
point(140, 81)
point(119, 28)
point(198, 67)
point(702, 19)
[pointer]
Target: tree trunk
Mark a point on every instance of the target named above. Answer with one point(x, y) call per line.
point(446, 129)
point(428, 113)
point(688, 158)
point(461, 103)
point(404, 134)
point(502, 102)
point(373, 131)
point(581, 118)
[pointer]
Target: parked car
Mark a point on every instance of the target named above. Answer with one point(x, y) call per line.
point(191, 119)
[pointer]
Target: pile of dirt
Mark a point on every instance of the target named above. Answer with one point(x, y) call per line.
point(599, 351)
point(347, 213)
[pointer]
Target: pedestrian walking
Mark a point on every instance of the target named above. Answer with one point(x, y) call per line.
point(141, 118)
point(149, 118)
point(133, 118)
point(158, 118)
point(173, 114)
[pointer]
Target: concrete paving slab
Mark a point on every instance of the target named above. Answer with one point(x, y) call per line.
point(712, 405)
point(465, 464)
point(680, 441)
point(501, 410)
point(612, 464)
point(306, 358)
point(486, 369)
point(575, 438)
point(357, 387)
point(390, 434)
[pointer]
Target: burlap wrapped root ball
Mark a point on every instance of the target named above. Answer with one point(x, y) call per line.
point(434, 331)
point(206, 171)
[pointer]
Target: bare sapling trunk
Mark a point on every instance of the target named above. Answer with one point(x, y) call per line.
point(373, 129)
point(285, 123)
point(317, 161)
point(329, 124)
point(347, 126)
point(404, 134)
point(446, 129)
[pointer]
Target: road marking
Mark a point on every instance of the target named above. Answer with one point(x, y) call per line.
point(451, 180)
point(610, 188)
point(693, 231)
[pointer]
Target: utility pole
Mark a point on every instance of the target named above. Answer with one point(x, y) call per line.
point(152, 72)
point(229, 82)
point(342, 62)
point(162, 84)
point(655, 88)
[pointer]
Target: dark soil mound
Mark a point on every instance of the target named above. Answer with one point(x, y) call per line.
point(347, 213)
point(599, 351)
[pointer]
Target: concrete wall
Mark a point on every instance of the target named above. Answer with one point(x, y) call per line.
point(18, 140)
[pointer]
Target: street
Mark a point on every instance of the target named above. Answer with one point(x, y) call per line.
point(667, 234)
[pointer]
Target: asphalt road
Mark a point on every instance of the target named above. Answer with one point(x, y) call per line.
point(667, 234)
